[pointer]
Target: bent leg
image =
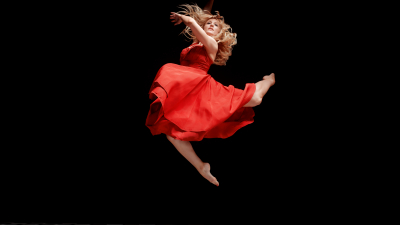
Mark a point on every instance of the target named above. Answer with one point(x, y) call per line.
point(186, 149)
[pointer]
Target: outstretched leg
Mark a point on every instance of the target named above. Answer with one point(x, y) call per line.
point(261, 89)
point(186, 149)
point(265, 84)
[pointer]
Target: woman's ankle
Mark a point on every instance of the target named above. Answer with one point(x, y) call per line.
point(200, 167)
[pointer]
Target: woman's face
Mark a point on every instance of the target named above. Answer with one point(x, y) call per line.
point(212, 27)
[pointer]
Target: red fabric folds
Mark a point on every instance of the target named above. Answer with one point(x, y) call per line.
point(190, 105)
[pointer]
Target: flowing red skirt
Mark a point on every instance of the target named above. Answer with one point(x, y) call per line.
point(190, 105)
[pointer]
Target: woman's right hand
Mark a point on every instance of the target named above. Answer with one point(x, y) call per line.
point(177, 18)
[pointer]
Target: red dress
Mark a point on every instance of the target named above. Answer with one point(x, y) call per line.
point(190, 105)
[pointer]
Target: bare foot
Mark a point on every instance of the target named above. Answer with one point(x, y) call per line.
point(205, 172)
point(270, 77)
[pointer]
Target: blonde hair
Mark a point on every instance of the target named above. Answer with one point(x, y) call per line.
point(225, 38)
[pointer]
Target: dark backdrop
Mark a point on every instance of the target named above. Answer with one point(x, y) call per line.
point(84, 118)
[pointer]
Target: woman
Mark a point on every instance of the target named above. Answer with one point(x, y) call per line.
point(189, 104)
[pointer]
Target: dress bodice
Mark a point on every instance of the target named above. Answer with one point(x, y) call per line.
point(196, 56)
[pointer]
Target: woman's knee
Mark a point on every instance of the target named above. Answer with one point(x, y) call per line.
point(258, 101)
point(171, 138)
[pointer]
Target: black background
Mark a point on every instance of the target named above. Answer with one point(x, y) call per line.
point(83, 105)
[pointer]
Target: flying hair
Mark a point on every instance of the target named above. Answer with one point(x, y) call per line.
point(225, 38)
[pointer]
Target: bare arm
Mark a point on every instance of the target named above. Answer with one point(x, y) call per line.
point(209, 43)
point(208, 6)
